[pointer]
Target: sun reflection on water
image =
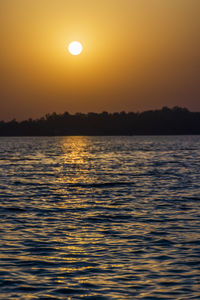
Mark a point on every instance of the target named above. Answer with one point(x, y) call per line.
point(75, 165)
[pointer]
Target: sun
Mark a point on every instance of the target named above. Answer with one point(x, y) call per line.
point(75, 48)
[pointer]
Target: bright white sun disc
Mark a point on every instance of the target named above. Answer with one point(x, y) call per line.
point(75, 48)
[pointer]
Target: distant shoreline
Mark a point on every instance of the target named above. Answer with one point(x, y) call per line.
point(166, 121)
point(99, 135)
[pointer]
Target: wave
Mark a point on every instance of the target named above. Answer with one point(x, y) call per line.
point(101, 184)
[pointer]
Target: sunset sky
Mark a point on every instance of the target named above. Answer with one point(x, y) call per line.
point(137, 55)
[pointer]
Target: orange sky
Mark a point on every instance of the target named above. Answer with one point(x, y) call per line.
point(138, 55)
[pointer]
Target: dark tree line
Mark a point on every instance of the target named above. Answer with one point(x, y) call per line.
point(165, 121)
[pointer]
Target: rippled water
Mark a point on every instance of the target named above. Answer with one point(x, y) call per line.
point(100, 218)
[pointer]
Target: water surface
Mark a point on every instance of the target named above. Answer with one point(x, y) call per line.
point(100, 218)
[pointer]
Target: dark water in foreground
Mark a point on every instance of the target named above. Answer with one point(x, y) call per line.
point(100, 218)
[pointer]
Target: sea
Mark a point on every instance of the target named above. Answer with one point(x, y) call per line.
point(112, 217)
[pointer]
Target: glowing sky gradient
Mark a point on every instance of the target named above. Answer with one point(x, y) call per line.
point(138, 55)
